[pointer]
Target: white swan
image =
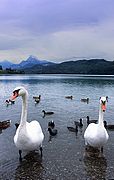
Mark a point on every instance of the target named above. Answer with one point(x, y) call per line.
point(95, 134)
point(29, 136)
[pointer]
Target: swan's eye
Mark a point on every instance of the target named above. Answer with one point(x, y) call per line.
point(107, 98)
point(16, 92)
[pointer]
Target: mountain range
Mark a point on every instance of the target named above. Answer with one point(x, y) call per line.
point(92, 66)
point(31, 61)
point(35, 66)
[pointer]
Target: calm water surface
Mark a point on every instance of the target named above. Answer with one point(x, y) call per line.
point(64, 157)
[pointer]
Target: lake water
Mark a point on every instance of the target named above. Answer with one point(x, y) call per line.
point(64, 156)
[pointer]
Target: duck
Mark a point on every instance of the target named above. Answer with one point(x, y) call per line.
point(37, 98)
point(12, 102)
point(47, 113)
point(52, 132)
point(5, 124)
point(96, 135)
point(79, 123)
point(9, 102)
point(29, 135)
point(51, 124)
point(85, 100)
point(69, 97)
point(108, 126)
point(73, 129)
point(91, 121)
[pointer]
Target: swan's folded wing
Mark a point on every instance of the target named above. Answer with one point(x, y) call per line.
point(91, 131)
point(34, 131)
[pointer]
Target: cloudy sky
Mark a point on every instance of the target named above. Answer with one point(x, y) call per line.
point(56, 30)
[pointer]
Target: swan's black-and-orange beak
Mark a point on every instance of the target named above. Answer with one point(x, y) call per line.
point(104, 107)
point(14, 96)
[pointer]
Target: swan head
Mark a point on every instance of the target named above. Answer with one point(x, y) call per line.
point(18, 91)
point(103, 101)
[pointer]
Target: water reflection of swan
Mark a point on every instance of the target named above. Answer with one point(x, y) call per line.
point(30, 168)
point(95, 166)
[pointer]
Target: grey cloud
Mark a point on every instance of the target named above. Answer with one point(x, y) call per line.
point(53, 28)
point(45, 16)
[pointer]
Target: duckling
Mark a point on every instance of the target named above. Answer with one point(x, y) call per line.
point(47, 113)
point(73, 129)
point(9, 102)
point(91, 121)
point(51, 124)
point(37, 98)
point(52, 132)
point(108, 126)
point(12, 102)
point(85, 100)
point(5, 124)
point(79, 124)
point(69, 97)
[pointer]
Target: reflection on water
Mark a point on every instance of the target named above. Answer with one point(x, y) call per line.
point(30, 167)
point(95, 165)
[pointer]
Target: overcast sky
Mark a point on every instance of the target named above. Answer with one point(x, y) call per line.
point(56, 29)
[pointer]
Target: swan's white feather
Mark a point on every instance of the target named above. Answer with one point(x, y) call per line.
point(95, 135)
point(30, 137)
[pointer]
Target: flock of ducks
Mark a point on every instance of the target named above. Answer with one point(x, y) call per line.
point(29, 135)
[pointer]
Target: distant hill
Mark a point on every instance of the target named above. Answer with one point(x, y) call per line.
point(6, 64)
point(35, 66)
point(93, 66)
point(31, 61)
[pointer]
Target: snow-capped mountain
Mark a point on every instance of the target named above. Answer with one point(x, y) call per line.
point(31, 61)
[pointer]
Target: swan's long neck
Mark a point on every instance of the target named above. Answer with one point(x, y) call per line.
point(24, 110)
point(100, 121)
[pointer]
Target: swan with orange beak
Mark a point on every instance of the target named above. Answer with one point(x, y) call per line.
point(95, 134)
point(29, 135)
